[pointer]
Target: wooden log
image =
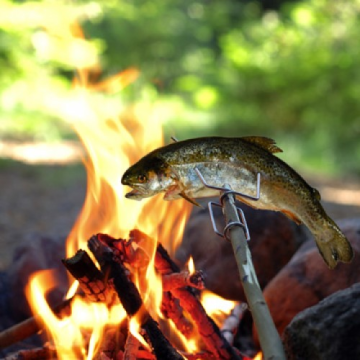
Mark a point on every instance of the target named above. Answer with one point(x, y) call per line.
point(171, 309)
point(132, 345)
point(231, 323)
point(216, 344)
point(30, 326)
point(91, 279)
point(183, 279)
point(44, 353)
point(199, 356)
point(208, 330)
point(112, 341)
point(131, 299)
point(138, 258)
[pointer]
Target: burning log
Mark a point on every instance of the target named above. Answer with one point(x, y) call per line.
point(131, 300)
point(231, 324)
point(30, 326)
point(131, 347)
point(99, 285)
point(171, 309)
point(208, 330)
point(91, 279)
point(183, 279)
point(138, 258)
point(45, 352)
point(113, 340)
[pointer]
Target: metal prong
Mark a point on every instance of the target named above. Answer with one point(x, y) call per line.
point(208, 185)
point(227, 191)
point(212, 217)
point(174, 139)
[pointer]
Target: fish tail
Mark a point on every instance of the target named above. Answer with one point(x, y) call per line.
point(333, 245)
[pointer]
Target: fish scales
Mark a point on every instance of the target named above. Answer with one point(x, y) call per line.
point(236, 162)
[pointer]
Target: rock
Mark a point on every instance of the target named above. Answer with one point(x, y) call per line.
point(274, 240)
point(306, 279)
point(328, 330)
point(38, 253)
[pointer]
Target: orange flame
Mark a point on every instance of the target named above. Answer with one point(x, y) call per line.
point(114, 137)
point(258, 356)
point(216, 307)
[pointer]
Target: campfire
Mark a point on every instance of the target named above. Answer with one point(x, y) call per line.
point(127, 299)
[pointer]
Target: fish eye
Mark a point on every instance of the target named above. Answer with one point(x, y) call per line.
point(142, 178)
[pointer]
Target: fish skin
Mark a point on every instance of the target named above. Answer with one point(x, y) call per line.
point(236, 162)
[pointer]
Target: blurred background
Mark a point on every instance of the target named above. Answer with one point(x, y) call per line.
point(283, 69)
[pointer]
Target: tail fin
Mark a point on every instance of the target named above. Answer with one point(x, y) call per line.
point(334, 246)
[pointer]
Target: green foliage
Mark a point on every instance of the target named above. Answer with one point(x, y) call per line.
point(220, 67)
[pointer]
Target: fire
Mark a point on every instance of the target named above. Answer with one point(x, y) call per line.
point(68, 332)
point(114, 136)
point(216, 306)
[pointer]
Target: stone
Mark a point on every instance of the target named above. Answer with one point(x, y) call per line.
point(328, 330)
point(38, 253)
point(274, 240)
point(306, 279)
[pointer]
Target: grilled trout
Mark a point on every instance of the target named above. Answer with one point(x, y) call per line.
point(237, 161)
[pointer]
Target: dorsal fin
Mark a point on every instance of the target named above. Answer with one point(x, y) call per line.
point(263, 142)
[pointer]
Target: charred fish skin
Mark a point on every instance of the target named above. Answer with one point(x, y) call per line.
point(236, 161)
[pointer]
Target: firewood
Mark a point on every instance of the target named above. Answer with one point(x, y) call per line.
point(91, 280)
point(132, 345)
point(131, 299)
point(183, 279)
point(138, 258)
point(144, 354)
point(231, 323)
point(113, 340)
point(171, 309)
point(199, 356)
point(208, 330)
point(30, 326)
point(44, 353)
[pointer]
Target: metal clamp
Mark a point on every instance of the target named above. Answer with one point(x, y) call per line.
point(228, 226)
point(225, 192)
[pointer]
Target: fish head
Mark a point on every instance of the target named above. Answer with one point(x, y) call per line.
point(148, 177)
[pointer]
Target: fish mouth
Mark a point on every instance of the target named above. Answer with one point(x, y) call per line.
point(136, 194)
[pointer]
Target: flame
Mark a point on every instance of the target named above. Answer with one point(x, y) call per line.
point(114, 136)
point(216, 307)
point(191, 265)
point(68, 332)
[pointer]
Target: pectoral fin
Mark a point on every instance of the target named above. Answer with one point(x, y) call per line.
point(173, 192)
point(176, 191)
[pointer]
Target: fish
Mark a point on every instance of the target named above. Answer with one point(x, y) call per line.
point(236, 162)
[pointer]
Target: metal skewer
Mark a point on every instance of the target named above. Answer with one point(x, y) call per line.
point(237, 232)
